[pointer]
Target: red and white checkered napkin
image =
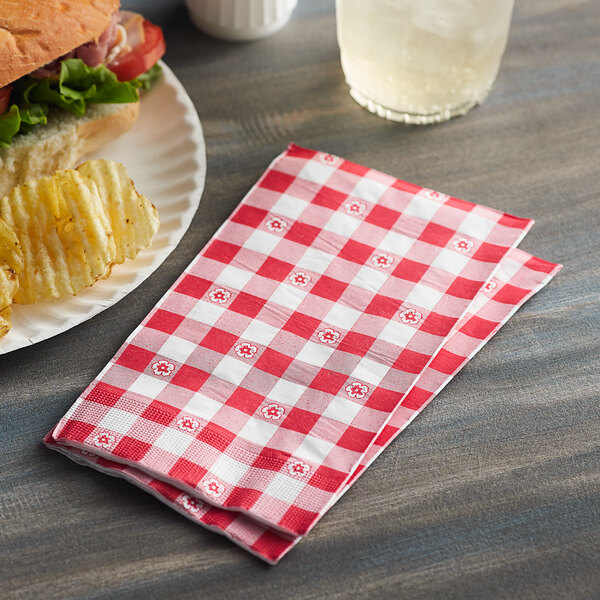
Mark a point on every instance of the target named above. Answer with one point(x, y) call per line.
point(332, 305)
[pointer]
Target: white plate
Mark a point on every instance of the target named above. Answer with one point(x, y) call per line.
point(165, 156)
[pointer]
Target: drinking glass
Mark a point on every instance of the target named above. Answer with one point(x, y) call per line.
point(421, 61)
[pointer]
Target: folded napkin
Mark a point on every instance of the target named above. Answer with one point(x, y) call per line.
point(332, 305)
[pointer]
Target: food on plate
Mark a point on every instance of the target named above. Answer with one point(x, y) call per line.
point(5, 323)
point(74, 226)
point(133, 218)
point(11, 263)
point(70, 75)
point(64, 232)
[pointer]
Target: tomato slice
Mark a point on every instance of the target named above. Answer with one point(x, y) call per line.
point(142, 57)
point(5, 97)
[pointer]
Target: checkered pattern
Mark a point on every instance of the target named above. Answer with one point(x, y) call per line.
point(520, 276)
point(317, 322)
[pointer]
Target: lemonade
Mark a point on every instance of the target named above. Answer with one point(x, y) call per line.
point(421, 61)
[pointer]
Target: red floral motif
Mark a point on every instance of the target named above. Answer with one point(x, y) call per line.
point(382, 260)
point(434, 195)
point(490, 286)
point(276, 224)
point(357, 390)
point(163, 368)
point(463, 244)
point(246, 350)
point(104, 440)
point(191, 504)
point(213, 488)
point(329, 159)
point(272, 411)
point(219, 295)
point(328, 336)
point(188, 423)
point(410, 316)
point(297, 468)
point(355, 207)
point(300, 279)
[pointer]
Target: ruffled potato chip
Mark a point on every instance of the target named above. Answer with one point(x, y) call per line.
point(64, 232)
point(60, 234)
point(5, 323)
point(11, 263)
point(133, 218)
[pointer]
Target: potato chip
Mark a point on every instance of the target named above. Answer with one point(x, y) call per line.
point(65, 235)
point(11, 263)
point(5, 324)
point(10, 248)
point(133, 218)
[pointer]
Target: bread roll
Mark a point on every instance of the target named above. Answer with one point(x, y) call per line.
point(35, 32)
point(62, 142)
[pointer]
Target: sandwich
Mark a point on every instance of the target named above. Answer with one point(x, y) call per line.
point(71, 72)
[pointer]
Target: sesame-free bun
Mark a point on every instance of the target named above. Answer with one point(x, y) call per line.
point(63, 142)
point(35, 32)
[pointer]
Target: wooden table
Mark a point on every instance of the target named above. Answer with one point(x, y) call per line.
point(494, 491)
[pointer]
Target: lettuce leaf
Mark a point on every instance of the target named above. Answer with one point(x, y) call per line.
point(149, 79)
point(79, 85)
point(10, 123)
point(73, 90)
point(20, 120)
point(33, 114)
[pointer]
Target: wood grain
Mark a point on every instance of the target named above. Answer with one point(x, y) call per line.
point(494, 491)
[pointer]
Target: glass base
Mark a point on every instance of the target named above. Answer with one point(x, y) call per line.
point(412, 118)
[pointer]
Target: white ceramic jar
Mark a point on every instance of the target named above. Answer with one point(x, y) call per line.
point(240, 20)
